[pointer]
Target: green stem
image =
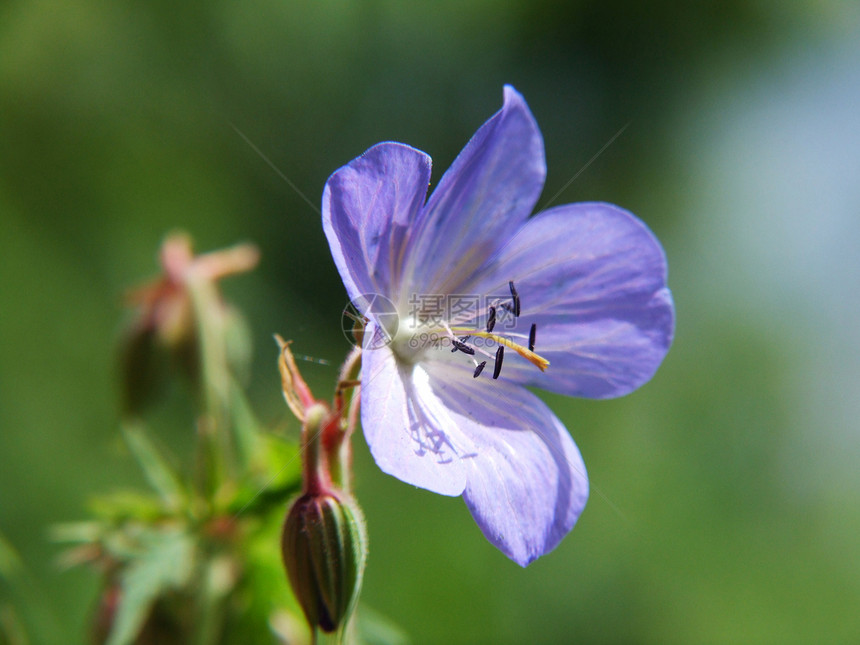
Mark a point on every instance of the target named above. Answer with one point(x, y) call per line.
point(338, 435)
point(214, 458)
point(315, 467)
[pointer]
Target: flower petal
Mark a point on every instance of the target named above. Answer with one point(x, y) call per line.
point(592, 277)
point(366, 208)
point(408, 435)
point(527, 483)
point(486, 194)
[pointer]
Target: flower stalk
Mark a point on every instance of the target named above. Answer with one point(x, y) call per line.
point(181, 314)
point(180, 561)
point(324, 539)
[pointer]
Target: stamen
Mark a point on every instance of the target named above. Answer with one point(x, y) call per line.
point(535, 359)
point(479, 368)
point(516, 298)
point(500, 355)
point(463, 347)
point(532, 333)
point(491, 318)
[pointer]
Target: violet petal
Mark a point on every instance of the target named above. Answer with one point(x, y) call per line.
point(593, 279)
point(410, 436)
point(483, 198)
point(367, 206)
point(527, 484)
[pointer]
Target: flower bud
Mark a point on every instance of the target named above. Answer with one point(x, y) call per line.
point(180, 317)
point(324, 547)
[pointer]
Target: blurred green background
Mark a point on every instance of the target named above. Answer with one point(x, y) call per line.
point(724, 506)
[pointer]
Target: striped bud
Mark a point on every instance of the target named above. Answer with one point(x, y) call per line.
point(324, 546)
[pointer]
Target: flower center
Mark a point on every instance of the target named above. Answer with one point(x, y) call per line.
point(423, 332)
point(414, 338)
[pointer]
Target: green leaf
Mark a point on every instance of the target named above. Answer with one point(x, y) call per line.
point(166, 563)
point(156, 467)
point(272, 478)
point(245, 425)
point(123, 505)
point(89, 531)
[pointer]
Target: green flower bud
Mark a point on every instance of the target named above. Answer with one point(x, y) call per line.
point(324, 546)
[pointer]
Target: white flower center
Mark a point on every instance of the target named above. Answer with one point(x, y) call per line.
point(415, 338)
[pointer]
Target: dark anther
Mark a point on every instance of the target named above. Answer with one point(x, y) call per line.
point(479, 368)
point(491, 319)
point(532, 333)
point(500, 355)
point(516, 298)
point(463, 347)
point(457, 345)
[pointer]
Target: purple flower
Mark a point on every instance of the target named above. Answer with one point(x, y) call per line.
point(487, 301)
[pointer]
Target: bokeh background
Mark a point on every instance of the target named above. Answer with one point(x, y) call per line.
point(725, 492)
